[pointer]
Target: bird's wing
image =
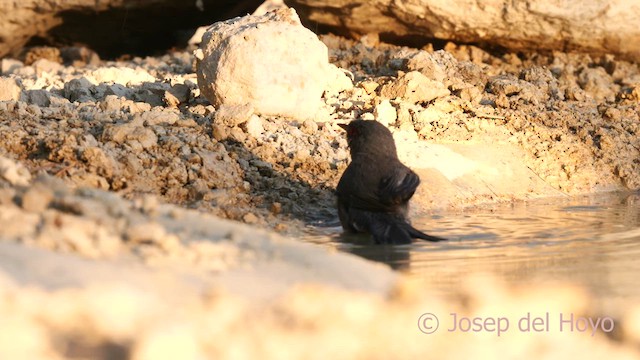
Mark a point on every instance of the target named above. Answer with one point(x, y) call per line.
point(398, 187)
point(387, 194)
point(358, 186)
point(368, 202)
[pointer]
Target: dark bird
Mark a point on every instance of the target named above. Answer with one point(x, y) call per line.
point(374, 190)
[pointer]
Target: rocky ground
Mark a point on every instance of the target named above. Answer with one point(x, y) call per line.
point(140, 127)
point(73, 126)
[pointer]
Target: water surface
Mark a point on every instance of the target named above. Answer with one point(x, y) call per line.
point(592, 241)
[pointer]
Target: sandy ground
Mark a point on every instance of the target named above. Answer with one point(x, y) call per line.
point(118, 183)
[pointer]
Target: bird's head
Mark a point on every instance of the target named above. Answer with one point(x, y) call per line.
point(369, 136)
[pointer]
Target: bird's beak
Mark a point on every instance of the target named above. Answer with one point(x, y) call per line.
point(345, 127)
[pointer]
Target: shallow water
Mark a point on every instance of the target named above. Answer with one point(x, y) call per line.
point(591, 241)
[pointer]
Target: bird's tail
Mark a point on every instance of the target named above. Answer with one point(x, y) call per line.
point(398, 232)
point(415, 233)
point(391, 233)
point(386, 228)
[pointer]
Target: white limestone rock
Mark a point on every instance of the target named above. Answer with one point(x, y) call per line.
point(271, 62)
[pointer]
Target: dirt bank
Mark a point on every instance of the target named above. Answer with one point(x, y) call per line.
point(142, 280)
point(553, 124)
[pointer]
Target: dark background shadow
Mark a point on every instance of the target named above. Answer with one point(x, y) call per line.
point(140, 31)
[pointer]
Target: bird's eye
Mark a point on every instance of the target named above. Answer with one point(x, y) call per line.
point(352, 132)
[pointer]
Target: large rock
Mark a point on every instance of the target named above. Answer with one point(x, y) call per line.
point(271, 62)
point(599, 26)
point(117, 27)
